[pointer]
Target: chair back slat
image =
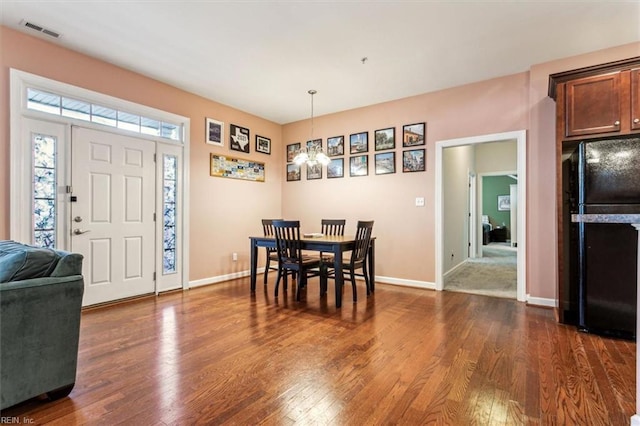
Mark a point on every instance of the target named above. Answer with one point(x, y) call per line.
point(288, 244)
point(267, 227)
point(363, 239)
point(333, 226)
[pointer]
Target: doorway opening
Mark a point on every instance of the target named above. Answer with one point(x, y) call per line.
point(469, 247)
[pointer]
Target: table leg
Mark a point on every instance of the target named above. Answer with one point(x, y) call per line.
point(372, 265)
point(254, 264)
point(337, 267)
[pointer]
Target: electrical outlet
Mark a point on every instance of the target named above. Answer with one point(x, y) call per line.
point(419, 201)
point(234, 257)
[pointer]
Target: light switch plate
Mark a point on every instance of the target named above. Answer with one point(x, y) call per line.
point(419, 201)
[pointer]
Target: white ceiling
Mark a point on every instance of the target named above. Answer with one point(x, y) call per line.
point(263, 56)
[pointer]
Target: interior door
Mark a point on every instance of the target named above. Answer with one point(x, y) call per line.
point(112, 217)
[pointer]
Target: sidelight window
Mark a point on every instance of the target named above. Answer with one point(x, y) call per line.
point(169, 212)
point(44, 190)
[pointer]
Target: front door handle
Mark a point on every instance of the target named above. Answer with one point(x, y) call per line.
point(79, 231)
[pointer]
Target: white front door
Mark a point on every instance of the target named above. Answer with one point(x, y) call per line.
point(112, 217)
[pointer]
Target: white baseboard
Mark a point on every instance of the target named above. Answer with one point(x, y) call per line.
point(464, 262)
point(536, 301)
point(541, 301)
point(405, 283)
point(222, 278)
point(635, 420)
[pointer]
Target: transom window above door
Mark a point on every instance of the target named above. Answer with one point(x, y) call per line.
point(51, 103)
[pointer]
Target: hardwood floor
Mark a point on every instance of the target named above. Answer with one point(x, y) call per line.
point(216, 355)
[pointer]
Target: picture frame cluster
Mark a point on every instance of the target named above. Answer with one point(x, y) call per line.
point(384, 153)
point(239, 137)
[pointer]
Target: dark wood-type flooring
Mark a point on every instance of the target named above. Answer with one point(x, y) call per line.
point(217, 355)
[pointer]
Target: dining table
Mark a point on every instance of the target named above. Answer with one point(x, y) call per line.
point(334, 244)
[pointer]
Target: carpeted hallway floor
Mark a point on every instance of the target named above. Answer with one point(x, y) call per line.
point(494, 274)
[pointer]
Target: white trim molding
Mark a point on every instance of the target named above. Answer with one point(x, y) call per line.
point(520, 136)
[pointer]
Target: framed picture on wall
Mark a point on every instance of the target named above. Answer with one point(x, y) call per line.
point(293, 172)
point(214, 132)
point(263, 145)
point(359, 142)
point(504, 203)
point(292, 150)
point(315, 144)
point(359, 165)
point(385, 163)
point(239, 138)
point(385, 139)
point(335, 146)
point(314, 171)
point(413, 161)
point(335, 169)
point(413, 134)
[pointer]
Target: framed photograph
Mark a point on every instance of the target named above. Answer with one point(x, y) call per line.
point(385, 163)
point(292, 150)
point(359, 165)
point(335, 169)
point(314, 144)
point(314, 172)
point(385, 139)
point(239, 138)
point(214, 132)
point(413, 160)
point(504, 203)
point(413, 134)
point(335, 146)
point(263, 144)
point(359, 142)
point(293, 172)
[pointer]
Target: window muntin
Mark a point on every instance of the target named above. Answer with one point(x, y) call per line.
point(44, 190)
point(51, 103)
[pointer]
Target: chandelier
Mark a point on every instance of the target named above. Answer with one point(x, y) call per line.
point(311, 154)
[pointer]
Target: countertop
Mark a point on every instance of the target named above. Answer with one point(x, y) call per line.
point(606, 218)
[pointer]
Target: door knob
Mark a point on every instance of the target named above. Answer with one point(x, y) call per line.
point(79, 231)
point(617, 123)
point(636, 120)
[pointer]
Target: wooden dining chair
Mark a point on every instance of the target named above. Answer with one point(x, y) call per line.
point(358, 259)
point(272, 253)
point(292, 260)
point(331, 227)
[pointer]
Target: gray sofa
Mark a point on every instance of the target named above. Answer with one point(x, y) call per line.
point(41, 298)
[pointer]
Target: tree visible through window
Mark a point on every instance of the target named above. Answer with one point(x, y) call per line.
point(44, 190)
point(170, 171)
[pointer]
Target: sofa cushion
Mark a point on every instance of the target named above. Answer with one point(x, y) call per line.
point(20, 262)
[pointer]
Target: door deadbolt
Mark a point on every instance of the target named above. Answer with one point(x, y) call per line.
point(77, 219)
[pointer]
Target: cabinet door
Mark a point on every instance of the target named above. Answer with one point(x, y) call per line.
point(593, 105)
point(635, 99)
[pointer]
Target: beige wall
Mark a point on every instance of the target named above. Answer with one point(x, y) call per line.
point(225, 212)
point(457, 163)
point(494, 157)
point(405, 233)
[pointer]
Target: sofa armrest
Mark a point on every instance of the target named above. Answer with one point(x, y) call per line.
point(39, 336)
point(38, 282)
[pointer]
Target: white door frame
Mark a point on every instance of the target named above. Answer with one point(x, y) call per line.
point(520, 136)
point(20, 156)
point(473, 217)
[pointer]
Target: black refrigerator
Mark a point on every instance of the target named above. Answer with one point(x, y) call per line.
point(604, 273)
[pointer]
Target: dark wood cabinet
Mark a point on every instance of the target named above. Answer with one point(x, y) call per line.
point(593, 105)
point(635, 99)
point(596, 102)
